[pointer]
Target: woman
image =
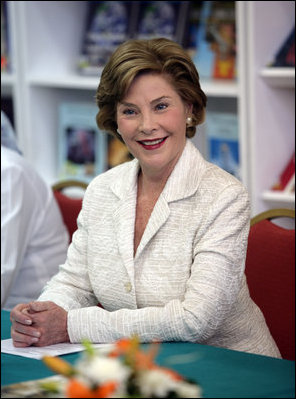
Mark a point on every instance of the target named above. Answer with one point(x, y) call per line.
point(161, 240)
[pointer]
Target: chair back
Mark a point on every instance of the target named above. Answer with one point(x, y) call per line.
point(69, 206)
point(270, 272)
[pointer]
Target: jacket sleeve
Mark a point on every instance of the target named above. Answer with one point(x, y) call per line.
point(70, 288)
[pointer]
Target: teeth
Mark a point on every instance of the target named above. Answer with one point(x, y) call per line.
point(153, 142)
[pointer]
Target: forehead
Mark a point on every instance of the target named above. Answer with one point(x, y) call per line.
point(151, 83)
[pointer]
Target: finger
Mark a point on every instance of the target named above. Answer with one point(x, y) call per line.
point(20, 315)
point(22, 340)
point(20, 328)
point(38, 306)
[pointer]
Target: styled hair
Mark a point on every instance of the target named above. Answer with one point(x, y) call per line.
point(135, 57)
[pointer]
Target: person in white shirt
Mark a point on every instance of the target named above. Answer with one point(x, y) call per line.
point(34, 240)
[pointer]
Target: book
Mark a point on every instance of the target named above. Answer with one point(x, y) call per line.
point(108, 24)
point(223, 142)
point(82, 146)
point(191, 28)
point(285, 56)
point(216, 41)
point(162, 19)
point(286, 179)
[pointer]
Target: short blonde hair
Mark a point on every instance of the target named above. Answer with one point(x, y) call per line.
point(134, 57)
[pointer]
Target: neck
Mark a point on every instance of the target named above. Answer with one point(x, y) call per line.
point(152, 184)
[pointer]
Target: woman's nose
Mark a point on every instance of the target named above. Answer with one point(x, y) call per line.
point(148, 123)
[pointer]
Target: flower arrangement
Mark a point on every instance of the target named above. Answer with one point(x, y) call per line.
point(125, 371)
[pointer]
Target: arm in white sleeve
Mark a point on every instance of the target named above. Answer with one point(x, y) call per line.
point(17, 203)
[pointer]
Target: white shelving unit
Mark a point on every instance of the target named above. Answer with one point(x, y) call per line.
point(47, 37)
point(271, 97)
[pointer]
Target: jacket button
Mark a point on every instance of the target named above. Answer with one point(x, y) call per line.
point(128, 287)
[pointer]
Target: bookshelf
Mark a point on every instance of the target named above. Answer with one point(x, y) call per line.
point(271, 96)
point(46, 40)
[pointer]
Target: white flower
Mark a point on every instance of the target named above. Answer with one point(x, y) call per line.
point(187, 390)
point(157, 383)
point(102, 369)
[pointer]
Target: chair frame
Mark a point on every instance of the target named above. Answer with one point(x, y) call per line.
point(68, 183)
point(272, 214)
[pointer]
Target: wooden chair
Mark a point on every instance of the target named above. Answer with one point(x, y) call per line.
point(69, 206)
point(270, 271)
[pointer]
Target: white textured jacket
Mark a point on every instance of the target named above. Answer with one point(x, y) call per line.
point(186, 281)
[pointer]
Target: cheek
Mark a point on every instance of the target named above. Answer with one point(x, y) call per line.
point(126, 126)
point(177, 122)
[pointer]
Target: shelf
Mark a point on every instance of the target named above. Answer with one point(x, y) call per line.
point(278, 196)
point(279, 77)
point(7, 84)
point(7, 79)
point(219, 88)
point(69, 81)
point(74, 81)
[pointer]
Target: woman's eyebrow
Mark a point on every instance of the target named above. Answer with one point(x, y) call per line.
point(162, 98)
point(127, 104)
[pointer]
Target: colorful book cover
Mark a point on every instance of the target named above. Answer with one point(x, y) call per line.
point(285, 57)
point(222, 141)
point(161, 19)
point(82, 147)
point(216, 41)
point(191, 28)
point(108, 25)
point(286, 180)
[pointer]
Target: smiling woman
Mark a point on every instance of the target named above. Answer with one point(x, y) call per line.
point(153, 125)
point(161, 240)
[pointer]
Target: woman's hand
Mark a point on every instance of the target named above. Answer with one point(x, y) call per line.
point(39, 324)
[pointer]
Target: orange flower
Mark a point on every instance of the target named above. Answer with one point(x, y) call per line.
point(145, 360)
point(104, 391)
point(122, 346)
point(76, 389)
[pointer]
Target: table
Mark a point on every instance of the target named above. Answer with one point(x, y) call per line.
point(222, 373)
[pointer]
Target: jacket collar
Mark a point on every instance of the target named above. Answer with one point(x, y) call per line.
point(183, 181)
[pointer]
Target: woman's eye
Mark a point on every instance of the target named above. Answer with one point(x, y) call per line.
point(128, 112)
point(161, 106)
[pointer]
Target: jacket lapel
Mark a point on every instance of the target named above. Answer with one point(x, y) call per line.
point(124, 222)
point(157, 218)
point(125, 188)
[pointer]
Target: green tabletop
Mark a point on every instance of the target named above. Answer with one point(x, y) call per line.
point(222, 373)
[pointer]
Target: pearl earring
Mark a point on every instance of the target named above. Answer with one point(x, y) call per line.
point(188, 120)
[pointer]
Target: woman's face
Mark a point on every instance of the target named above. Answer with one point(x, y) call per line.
point(152, 122)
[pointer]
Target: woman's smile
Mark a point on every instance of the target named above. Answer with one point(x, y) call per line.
point(152, 144)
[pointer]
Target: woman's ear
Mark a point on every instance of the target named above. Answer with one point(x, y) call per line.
point(189, 110)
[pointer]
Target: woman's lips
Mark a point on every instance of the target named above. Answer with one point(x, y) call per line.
point(152, 144)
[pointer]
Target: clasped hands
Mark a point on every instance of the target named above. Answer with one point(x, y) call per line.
point(38, 324)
